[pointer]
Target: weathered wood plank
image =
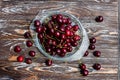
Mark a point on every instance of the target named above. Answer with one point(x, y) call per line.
point(16, 17)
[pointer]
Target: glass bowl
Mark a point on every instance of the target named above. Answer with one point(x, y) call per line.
point(77, 52)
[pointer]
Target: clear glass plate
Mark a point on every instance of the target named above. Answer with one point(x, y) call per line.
point(77, 52)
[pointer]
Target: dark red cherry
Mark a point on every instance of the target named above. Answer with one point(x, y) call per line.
point(69, 21)
point(58, 51)
point(97, 53)
point(37, 23)
point(74, 44)
point(29, 43)
point(64, 20)
point(84, 72)
point(99, 19)
point(75, 27)
point(68, 33)
point(76, 37)
point(60, 16)
point(57, 34)
point(86, 53)
point(54, 17)
point(39, 29)
point(32, 53)
point(48, 62)
point(48, 49)
point(92, 40)
point(63, 50)
point(27, 35)
point(17, 48)
point(54, 42)
point(20, 58)
point(62, 54)
point(69, 49)
point(97, 66)
point(92, 47)
point(63, 36)
point(82, 66)
point(40, 36)
point(28, 60)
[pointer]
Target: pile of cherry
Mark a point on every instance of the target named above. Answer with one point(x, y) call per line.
point(57, 34)
point(56, 43)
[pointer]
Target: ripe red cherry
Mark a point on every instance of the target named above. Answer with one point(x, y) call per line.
point(17, 48)
point(32, 53)
point(20, 58)
point(62, 54)
point(57, 34)
point(37, 23)
point(82, 66)
point(40, 36)
point(86, 53)
point(48, 62)
point(92, 40)
point(27, 35)
point(99, 19)
point(64, 20)
point(39, 30)
point(28, 60)
point(54, 17)
point(29, 43)
point(69, 21)
point(48, 49)
point(60, 16)
point(58, 51)
point(97, 66)
point(63, 50)
point(69, 49)
point(84, 72)
point(74, 44)
point(62, 28)
point(75, 27)
point(67, 32)
point(63, 36)
point(97, 53)
point(76, 37)
point(92, 47)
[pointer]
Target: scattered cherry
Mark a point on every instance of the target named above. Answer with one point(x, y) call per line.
point(97, 53)
point(92, 40)
point(82, 66)
point(20, 58)
point(28, 60)
point(29, 43)
point(92, 47)
point(48, 62)
point(97, 66)
point(17, 48)
point(27, 35)
point(84, 72)
point(32, 53)
point(86, 53)
point(99, 19)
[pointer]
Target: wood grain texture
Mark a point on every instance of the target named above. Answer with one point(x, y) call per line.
point(15, 18)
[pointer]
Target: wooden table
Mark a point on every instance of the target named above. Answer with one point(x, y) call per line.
point(15, 18)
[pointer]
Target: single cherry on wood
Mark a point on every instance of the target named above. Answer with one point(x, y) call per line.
point(48, 62)
point(17, 48)
point(29, 43)
point(92, 47)
point(86, 53)
point(27, 35)
point(28, 60)
point(20, 58)
point(82, 66)
point(97, 53)
point(96, 66)
point(92, 40)
point(84, 72)
point(99, 19)
point(32, 53)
